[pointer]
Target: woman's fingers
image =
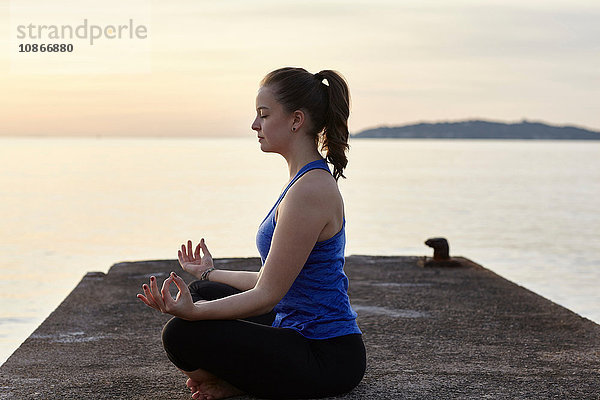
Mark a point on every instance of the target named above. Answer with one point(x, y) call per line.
point(204, 248)
point(145, 300)
point(166, 295)
point(156, 295)
point(162, 300)
point(149, 297)
point(197, 252)
point(188, 254)
point(184, 253)
point(181, 285)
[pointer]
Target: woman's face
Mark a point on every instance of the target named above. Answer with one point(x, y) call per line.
point(272, 124)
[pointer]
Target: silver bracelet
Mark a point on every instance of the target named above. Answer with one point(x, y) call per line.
point(204, 276)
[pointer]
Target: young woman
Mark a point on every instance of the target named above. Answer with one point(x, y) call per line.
point(287, 331)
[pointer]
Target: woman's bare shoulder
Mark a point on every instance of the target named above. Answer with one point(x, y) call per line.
point(316, 188)
point(316, 199)
point(316, 182)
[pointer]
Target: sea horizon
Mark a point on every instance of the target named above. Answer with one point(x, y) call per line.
point(525, 210)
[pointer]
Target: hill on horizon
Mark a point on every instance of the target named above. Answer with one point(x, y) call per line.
point(480, 129)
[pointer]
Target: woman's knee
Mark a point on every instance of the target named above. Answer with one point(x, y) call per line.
point(182, 334)
point(173, 333)
point(185, 342)
point(177, 343)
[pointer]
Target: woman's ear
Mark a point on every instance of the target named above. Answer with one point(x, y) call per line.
point(298, 120)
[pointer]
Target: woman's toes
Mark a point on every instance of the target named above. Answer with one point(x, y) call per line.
point(191, 383)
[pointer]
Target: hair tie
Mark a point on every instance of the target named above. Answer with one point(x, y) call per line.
point(321, 78)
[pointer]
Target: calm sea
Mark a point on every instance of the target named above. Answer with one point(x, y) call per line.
point(527, 210)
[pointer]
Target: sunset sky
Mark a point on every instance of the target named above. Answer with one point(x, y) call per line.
point(405, 61)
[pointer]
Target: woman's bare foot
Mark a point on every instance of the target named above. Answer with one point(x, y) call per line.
point(212, 389)
point(197, 376)
point(192, 384)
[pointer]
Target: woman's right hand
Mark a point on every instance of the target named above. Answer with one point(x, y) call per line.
point(193, 262)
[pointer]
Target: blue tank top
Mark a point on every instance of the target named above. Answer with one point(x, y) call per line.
point(317, 304)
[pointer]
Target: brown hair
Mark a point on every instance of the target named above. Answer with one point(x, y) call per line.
point(327, 104)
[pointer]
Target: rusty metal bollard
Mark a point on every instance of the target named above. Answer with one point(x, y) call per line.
point(441, 254)
point(441, 249)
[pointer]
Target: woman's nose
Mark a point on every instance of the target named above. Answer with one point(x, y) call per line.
point(255, 125)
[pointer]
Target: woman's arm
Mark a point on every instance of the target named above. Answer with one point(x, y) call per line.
point(241, 280)
point(302, 216)
point(196, 264)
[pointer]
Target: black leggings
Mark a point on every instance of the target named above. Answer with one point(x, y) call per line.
point(259, 359)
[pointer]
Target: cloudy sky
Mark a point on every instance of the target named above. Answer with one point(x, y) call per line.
point(197, 71)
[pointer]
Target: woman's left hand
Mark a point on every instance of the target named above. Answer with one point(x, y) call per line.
point(181, 306)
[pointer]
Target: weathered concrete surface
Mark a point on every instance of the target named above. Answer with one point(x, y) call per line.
point(430, 334)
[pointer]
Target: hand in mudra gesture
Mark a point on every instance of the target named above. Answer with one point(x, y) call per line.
point(193, 262)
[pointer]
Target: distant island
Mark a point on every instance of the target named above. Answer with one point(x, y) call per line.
point(478, 129)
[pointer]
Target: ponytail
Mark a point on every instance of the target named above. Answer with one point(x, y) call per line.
point(335, 132)
point(326, 99)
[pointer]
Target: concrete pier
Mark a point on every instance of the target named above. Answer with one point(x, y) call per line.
point(431, 333)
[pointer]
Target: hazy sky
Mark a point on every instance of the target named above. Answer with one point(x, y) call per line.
point(405, 61)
